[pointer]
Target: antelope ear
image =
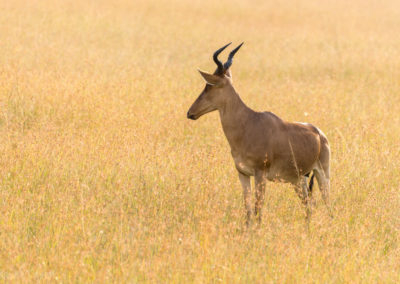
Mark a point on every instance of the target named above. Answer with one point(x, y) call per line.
point(210, 78)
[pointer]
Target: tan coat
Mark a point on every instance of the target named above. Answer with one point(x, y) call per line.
point(263, 145)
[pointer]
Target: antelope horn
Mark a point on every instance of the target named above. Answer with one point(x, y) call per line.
point(228, 63)
point(220, 69)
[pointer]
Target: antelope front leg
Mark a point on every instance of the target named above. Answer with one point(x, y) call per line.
point(245, 181)
point(259, 179)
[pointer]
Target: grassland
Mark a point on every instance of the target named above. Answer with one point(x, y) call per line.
point(103, 179)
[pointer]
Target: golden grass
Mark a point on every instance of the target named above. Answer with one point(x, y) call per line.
point(103, 179)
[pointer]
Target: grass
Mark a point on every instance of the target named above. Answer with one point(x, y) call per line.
point(103, 179)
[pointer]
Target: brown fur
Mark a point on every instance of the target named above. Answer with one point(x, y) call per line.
point(263, 145)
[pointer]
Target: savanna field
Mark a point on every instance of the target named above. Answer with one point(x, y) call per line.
point(104, 179)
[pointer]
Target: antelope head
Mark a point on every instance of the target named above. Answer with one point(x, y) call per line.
point(217, 89)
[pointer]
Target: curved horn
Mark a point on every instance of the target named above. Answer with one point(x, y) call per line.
point(228, 63)
point(215, 57)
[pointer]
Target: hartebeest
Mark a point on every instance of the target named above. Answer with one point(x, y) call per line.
point(262, 144)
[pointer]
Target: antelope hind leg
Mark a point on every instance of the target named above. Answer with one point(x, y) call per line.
point(324, 185)
point(305, 195)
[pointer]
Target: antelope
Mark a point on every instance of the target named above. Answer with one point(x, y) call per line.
point(262, 144)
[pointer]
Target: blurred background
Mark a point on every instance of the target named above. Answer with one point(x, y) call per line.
point(103, 179)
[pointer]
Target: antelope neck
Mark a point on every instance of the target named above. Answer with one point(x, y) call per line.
point(234, 111)
point(235, 117)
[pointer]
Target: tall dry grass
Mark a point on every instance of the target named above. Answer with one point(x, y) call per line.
point(103, 179)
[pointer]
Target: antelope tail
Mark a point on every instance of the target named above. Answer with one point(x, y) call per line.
point(311, 183)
